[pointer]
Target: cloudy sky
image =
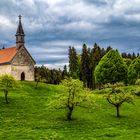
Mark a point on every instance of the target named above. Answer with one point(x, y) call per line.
point(53, 25)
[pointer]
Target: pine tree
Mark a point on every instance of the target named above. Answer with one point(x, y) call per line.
point(129, 56)
point(95, 56)
point(64, 73)
point(133, 56)
point(73, 62)
point(124, 55)
point(103, 52)
point(85, 65)
point(108, 49)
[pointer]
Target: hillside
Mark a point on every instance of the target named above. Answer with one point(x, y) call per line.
point(28, 117)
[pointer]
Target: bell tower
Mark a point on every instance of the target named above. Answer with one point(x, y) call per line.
point(20, 34)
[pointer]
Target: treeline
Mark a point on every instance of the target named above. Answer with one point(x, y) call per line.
point(81, 66)
point(50, 76)
point(129, 55)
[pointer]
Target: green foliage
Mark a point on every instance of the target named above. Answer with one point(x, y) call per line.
point(50, 76)
point(117, 84)
point(108, 49)
point(137, 82)
point(7, 83)
point(117, 97)
point(79, 67)
point(134, 71)
point(85, 65)
point(65, 72)
point(95, 56)
point(137, 93)
point(111, 68)
point(73, 62)
point(82, 66)
point(75, 96)
point(129, 56)
point(28, 116)
point(127, 61)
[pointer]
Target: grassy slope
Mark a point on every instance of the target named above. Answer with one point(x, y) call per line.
point(27, 117)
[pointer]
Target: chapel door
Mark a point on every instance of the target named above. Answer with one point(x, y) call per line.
point(22, 76)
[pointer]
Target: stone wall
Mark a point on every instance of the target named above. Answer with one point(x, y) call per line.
point(28, 71)
point(23, 63)
point(5, 69)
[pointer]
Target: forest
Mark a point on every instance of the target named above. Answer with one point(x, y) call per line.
point(82, 66)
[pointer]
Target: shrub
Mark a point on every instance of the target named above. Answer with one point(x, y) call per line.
point(111, 69)
point(117, 84)
point(137, 82)
point(127, 61)
point(134, 71)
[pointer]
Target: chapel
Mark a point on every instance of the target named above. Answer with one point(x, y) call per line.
point(16, 60)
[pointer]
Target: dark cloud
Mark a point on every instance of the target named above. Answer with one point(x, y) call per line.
point(52, 26)
point(96, 2)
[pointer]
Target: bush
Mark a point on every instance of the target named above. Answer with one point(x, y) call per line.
point(134, 71)
point(118, 84)
point(127, 61)
point(137, 92)
point(111, 69)
point(137, 82)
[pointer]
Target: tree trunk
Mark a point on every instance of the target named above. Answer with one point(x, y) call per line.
point(69, 115)
point(6, 93)
point(118, 110)
point(36, 84)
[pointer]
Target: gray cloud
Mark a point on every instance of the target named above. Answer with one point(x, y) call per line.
point(52, 26)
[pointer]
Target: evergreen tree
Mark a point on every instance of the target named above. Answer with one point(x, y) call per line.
point(85, 65)
point(79, 67)
point(129, 56)
point(133, 56)
point(108, 49)
point(73, 62)
point(64, 73)
point(111, 69)
point(103, 52)
point(95, 57)
point(124, 55)
point(127, 61)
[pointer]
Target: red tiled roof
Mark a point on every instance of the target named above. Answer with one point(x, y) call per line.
point(6, 55)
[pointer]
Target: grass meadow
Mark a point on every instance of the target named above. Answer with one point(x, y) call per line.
point(28, 117)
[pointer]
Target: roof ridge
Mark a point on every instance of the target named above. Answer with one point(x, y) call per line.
point(8, 48)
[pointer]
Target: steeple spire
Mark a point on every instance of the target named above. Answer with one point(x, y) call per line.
point(20, 34)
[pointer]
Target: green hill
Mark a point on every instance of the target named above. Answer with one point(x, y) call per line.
point(27, 117)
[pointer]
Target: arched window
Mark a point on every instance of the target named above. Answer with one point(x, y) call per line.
point(22, 76)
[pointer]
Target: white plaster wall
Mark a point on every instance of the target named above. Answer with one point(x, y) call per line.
point(5, 69)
